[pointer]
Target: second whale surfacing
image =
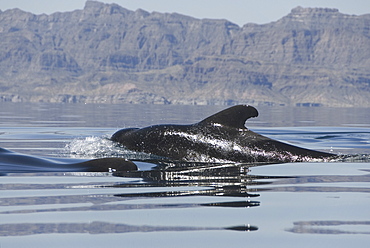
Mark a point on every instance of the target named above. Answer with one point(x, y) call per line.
point(13, 162)
point(221, 137)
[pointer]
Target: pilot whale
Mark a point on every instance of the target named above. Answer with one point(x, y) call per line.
point(221, 137)
point(13, 162)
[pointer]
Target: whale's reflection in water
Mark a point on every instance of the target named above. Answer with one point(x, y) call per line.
point(101, 228)
point(221, 185)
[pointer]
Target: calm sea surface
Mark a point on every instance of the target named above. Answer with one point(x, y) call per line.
point(312, 204)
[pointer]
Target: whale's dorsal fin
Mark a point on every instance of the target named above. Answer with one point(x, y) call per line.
point(235, 116)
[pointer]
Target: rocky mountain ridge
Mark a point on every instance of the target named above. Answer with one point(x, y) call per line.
point(106, 53)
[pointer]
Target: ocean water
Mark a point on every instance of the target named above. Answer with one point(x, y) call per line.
point(321, 204)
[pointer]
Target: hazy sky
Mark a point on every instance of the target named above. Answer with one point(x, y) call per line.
point(237, 11)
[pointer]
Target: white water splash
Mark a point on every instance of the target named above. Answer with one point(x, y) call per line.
point(91, 147)
point(100, 147)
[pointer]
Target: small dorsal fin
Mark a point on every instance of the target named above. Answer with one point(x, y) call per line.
point(235, 116)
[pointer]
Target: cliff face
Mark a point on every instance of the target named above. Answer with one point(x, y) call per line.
point(105, 53)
